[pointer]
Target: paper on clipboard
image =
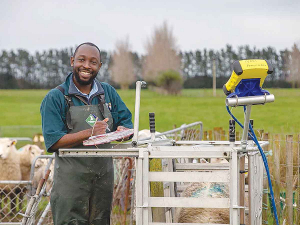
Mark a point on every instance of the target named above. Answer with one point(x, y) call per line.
point(109, 137)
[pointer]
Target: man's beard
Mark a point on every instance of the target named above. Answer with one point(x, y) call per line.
point(82, 82)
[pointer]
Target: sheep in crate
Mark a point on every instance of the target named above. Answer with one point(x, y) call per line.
point(204, 215)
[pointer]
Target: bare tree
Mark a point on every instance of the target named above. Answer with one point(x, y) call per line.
point(294, 67)
point(161, 53)
point(122, 67)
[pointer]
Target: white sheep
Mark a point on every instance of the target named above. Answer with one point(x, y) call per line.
point(206, 190)
point(146, 135)
point(9, 170)
point(27, 155)
point(40, 173)
point(204, 215)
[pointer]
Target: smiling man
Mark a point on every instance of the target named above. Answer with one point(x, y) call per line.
point(82, 190)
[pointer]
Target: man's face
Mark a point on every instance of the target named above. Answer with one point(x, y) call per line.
point(86, 64)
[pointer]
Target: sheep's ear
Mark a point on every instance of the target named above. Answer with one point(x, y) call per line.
point(30, 148)
point(14, 142)
point(42, 151)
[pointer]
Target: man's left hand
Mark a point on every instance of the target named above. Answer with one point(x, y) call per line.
point(121, 128)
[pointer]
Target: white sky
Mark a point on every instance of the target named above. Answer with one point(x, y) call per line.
point(39, 24)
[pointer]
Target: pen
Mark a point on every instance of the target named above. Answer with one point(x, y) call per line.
point(107, 128)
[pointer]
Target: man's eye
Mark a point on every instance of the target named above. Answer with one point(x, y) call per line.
point(94, 63)
point(80, 60)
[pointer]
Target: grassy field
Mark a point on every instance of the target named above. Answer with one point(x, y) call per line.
point(21, 107)
point(20, 114)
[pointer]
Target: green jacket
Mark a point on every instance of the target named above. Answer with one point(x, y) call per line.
point(53, 109)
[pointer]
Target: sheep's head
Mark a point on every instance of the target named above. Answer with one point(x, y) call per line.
point(33, 151)
point(6, 146)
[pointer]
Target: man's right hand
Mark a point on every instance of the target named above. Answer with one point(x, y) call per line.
point(100, 127)
point(74, 139)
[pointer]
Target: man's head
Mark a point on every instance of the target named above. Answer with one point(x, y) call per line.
point(86, 63)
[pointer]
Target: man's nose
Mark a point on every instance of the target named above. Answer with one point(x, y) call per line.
point(86, 64)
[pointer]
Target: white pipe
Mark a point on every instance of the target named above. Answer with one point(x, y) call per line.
point(139, 85)
point(250, 100)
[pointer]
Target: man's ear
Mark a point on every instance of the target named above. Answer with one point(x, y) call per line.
point(100, 65)
point(72, 61)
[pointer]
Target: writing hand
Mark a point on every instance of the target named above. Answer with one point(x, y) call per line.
point(100, 127)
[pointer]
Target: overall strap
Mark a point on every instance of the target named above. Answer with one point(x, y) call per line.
point(69, 104)
point(67, 97)
point(101, 103)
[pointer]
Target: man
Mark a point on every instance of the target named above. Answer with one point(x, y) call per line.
point(82, 190)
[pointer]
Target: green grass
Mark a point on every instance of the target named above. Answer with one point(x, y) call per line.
point(21, 107)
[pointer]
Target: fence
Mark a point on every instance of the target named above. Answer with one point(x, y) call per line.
point(14, 203)
point(283, 155)
point(15, 196)
point(283, 158)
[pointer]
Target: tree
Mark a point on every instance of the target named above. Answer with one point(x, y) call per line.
point(294, 66)
point(161, 54)
point(122, 66)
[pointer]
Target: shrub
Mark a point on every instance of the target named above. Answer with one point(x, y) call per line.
point(171, 81)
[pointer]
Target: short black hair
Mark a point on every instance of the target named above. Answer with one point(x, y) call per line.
point(87, 43)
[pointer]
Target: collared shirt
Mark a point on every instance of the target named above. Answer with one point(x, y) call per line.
point(93, 91)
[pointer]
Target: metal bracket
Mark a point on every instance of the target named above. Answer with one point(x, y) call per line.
point(238, 207)
point(143, 206)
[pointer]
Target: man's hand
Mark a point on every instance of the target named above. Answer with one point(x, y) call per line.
point(71, 140)
point(100, 127)
point(121, 128)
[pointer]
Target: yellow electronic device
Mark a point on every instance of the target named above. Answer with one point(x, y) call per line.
point(246, 70)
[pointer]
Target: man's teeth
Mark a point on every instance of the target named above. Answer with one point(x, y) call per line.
point(85, 73)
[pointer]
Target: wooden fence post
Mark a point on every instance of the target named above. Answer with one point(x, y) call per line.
point(157, 190)
point(277, 173)
point(205, 135)
point(223, 135)
point(210, 135)
point(265, 137)
point(237, 136)
point(289, 179)
point(217, 133)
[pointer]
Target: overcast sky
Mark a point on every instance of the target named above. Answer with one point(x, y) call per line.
point(36, 25)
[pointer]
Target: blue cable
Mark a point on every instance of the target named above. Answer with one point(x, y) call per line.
point(268, 172)
point(236, 120)
point(253, 137)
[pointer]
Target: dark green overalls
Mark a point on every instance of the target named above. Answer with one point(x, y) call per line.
point(83, 187)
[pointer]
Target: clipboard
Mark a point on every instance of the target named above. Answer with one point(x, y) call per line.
point(108, 137)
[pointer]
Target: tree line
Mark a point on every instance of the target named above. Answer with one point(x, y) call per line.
point(193, 69)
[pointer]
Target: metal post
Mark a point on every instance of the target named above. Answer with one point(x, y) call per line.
point(139, 189)
point(234, 206)
point(152, 125)
point(234, 213)
point(231, 131)
point(139, 85)
point(246, 127)
point(146, 190)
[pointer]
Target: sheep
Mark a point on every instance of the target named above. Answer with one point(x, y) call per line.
point(9, 170)
point(204, 215)
point(40, 173)
point(207, 190)
point(27, 155)
point(146, 135)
